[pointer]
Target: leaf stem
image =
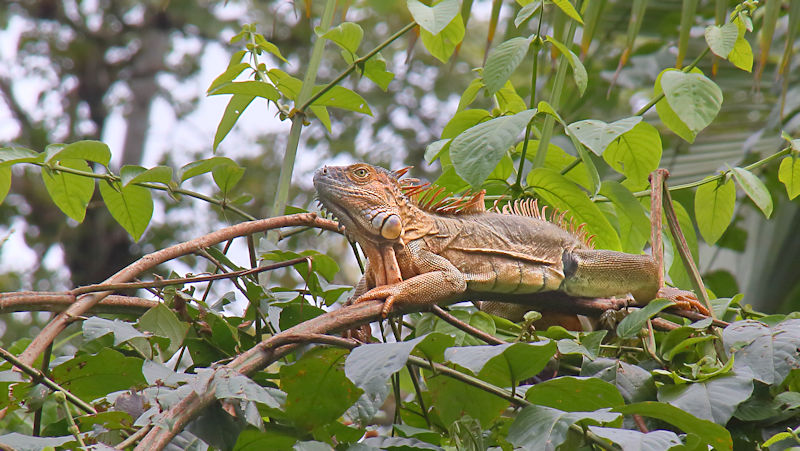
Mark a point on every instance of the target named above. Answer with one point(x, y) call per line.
point(534, 73)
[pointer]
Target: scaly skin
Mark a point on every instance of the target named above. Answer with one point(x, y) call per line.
point(416, 257)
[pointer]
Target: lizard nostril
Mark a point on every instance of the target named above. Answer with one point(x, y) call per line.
point(325, 170)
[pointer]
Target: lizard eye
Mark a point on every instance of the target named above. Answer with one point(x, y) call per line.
point(361, 173)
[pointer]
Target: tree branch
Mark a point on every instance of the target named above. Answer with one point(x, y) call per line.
point(86, 302)
point(33, 301)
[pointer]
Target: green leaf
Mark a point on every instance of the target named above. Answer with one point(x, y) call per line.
point(248, 88)
point(443, 45)
point(634, 226)
point(233, 111)
point(575, 394)
point(15, 154)
point(5, 182)
point(502, 61)
point(131, 206)
point(250, 439)
point(83, 150)
point(742, 54)
point(369, 366)
point(94, 328)
point(714, 399)
point(630, 440)
point(199, 167)
point(269, 47)
point(630, 326)
point(469, 94)
point(92, 376)
point(755, 189)
point(477, 151)
point(789, 174)
point(71, 193)
point(633, 382)
point(341, 97)
point(668, 115)
point(321, 113)
point(138, 174)
point(539, 427)
point(375, 70)
point(452, 399)
point(712, 434)
point(558, 159)
point(503, 365)
point(561, 193)
point(566, 7)
point(232, 384)
point(462, 121)
point(578, 71)
point(636, 153)
point(597, 135)
point(227, 176)
point(713, 206)
point(162, 322)
point(526, 12)
point(721, 38)
point(693, 97)
point(317, 391)
point(434, 149)
point(234, 69)
point(768, 353)
point(436, 18)
point(346, 35)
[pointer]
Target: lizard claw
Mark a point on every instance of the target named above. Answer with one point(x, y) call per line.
point(377, 294)
point(685, 300)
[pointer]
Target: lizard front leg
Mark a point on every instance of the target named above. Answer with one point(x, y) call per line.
point(438, 280)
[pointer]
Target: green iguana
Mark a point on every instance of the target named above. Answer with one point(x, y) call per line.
point(423, 252)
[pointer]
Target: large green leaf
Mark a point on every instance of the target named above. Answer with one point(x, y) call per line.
point(232, 384)
point(575, 394)
point(162, 322)
point(633, 382)
point(502, 61)
point(636, 153)
point(503, 365)
point(538, 427)
point(199, 167)
point(630, 326)
point(123, 331)
point(667, 114)
point(713, 399)
point(346, 35)
point(375, 70)
point(452, 399)
point(597, 135)
point(693, 97)
point(248, 88)
point(742, 54)
point(369, 366)
point(768, 353)
point(721, 38)
point(477, 151)
point(634, 226)
point(317, 391)
point(713, 207)
point(443, 45)
point(90, 376)
point(563, 194)
point(138, 174)
point(234, 110)
point(462, 121)
point(131, 206)
point(83, 150)
point(755, 189)
point(71, 193)
point(709, 432)
point(341, 97)
point(789, 174)
point(433, 19)
point(629, 440)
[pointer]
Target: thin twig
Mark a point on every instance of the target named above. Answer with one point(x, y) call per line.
point(38, 377)
point(133, 438)
point(472, 330)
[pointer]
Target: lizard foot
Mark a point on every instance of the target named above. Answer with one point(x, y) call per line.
point(685, 300)
point(386, 293)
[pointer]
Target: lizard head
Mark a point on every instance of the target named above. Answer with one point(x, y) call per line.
point(366, 199)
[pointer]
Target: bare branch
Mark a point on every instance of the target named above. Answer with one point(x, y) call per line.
point(33, 301)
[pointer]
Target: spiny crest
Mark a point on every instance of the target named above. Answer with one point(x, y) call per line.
point(530, 207)
point(427, 197)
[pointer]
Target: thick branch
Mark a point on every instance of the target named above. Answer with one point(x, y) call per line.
point(86, 302)
point(32, 301)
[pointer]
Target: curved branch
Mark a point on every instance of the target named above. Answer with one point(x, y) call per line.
point(32, 301)
point(86, 302)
